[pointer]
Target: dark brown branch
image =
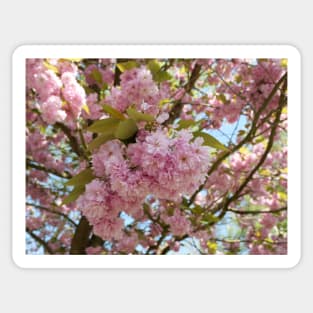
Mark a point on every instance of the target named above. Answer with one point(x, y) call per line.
point(178, 105)
point(72, 140)
point(53, 212)
point(81, 237)
point(270, 142)
point(40, 241)
point(40, 167)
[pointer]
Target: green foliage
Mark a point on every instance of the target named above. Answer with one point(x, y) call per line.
point(81, 179)
point(97, 142)
point(158, 74)
point(138, 116)
point(96, 75)
point(74, 194)
point(126, 129)
point(113, 112)
point(210, 141)
point(124, 66)
point(105, 126)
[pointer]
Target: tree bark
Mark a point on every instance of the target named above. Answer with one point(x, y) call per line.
point(81, 237)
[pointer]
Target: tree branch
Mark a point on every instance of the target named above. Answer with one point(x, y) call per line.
point(245, 140)
point(40, 241)
point(72, 140)
point(257, 212)
point(53, 212)
point(178, 105)
point(81, 237)
point(40, 167)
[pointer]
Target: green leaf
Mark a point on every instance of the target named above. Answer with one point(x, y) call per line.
point(154, 66)
point(158, 75)
point(197, 210)
point(124, 66)
point(86, 109)
point(222, 98)
point(162, 76)
point(209, 219)
point(105, 126)
point(186, 124)
point(113, 112)
point(50, 67)
point(74, 194)
point(210, 141)
point(126, 129)
point(96, 75)
point(97, 142)
point(164, 101)
point(138, 116)
point(81, 179)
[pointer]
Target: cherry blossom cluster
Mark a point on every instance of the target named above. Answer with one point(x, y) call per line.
point(160, 165)
point(60, 96)
point(162, 189)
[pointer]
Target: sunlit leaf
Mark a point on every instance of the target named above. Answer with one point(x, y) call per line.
point(162, 76)
point(72, 59)
point(158, 75)
point(210, 141)
point(186, 124)
point(105, 126)
point(96, 75)
point(212, 246)
point(81, 179)
point(124, 66)
point(126, 129)
point(74, 195)
point(282, 195)
point(138, 116)
point(86, 109)
point(113, 112)
point(97, 142)
point(164, 101)
point(50, 67)
point(154, 66)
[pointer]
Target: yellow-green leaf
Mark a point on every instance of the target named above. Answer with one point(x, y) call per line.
point(154, 66)
point(126, 129)
point(282, 195)
point(86, 109)
point(81, 179)
point(72, 59)
point(50, 67)
point(113, 112)
point(105, 126)
point(138, 116)
point(162, 76)
point(186, 124)
point(158, 75)
point(210, 141)
point(124, 66)
point(97, 142)
point(96, 75)
point(222, 98)
point(164, 101)
point(284, 63)
point(265, 172)
point(74, 194)
point(212, 246)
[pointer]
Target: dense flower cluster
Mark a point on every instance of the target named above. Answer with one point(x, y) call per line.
point(161, 156)
point(60, 96)
point(137, 88)
point(158, 164)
